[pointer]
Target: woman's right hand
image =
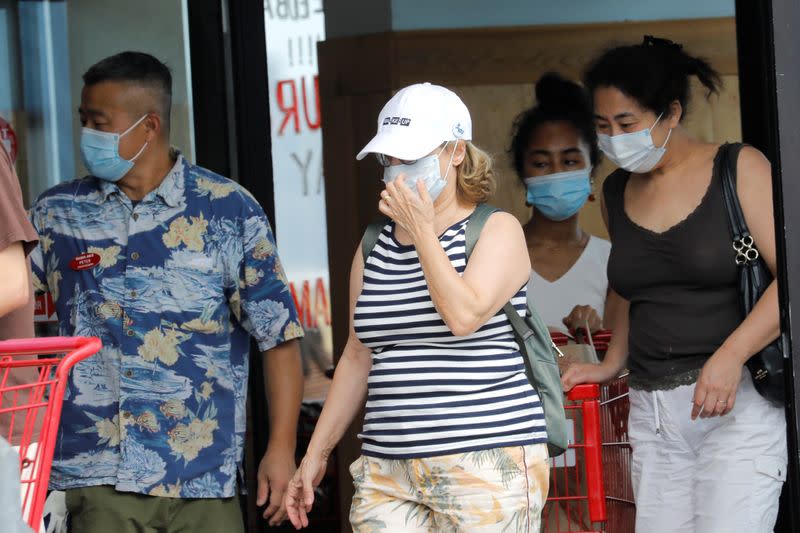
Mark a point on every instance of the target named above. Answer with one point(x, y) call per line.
point(587, 373)
point(300, 494)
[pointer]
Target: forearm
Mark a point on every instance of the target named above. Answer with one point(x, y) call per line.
point(758, 329)
point(283, 380)
point(345, 399)
point(617, 354)
point(15, 289)
point(460, 306)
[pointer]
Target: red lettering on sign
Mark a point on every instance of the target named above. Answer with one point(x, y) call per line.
point(289, 110)
point(321, 302)
point(309, 311)
point(288, 103)
point(316, 124)
point(84, 262)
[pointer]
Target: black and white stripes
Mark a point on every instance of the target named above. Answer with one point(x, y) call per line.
point(430, 392)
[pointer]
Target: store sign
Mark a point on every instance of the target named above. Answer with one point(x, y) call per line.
point(293, 28)
point(8, 139)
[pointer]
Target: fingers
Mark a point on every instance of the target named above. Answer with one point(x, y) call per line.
point(573, 376)
point(422, 189)
point(698, 400)
point(275, 505)
point(262, 491)
point(293, 505)
point(384, 207)
point(279, 516)
point(580, 316)
point(708, 403)
point(308, 495)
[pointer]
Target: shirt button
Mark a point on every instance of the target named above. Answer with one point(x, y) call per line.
point(129, 373)
point(134, 294)
point(136, 216)
point(130, 333)
point(135, 256)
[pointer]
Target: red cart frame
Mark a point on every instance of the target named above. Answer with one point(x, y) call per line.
point(36, 402)
point(590, 485)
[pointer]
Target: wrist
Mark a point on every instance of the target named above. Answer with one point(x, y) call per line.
point(282, 445)
point(733, 353)
point(318, 451)
point(423, 232)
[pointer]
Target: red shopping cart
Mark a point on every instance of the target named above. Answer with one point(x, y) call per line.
point(576, 502)
point(35, 408)
point(590, 487)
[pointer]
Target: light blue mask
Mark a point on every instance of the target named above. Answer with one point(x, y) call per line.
point(100, 153)
point(561, 195)
point(426, 169)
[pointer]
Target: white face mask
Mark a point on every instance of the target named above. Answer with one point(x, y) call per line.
point(426, 169)
point(635, 152)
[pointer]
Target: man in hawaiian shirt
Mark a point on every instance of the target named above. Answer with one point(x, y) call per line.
point(173, 267)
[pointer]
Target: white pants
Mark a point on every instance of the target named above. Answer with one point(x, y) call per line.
point(712, 475)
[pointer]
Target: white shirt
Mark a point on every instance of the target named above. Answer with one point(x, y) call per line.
point(585, 283)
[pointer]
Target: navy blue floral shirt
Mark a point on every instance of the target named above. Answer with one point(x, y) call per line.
point(173, 286)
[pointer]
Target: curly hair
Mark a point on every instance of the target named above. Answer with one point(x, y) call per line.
point(475, 177)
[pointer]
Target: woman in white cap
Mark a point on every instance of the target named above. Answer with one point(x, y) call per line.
point(454, 435)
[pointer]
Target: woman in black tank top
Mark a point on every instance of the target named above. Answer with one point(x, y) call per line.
point(709, 453)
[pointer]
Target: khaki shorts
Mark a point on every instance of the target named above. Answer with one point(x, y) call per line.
point(500, 489)
point(104, 510)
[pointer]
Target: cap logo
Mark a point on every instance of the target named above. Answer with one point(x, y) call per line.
point(402, 121)
point(458, 131)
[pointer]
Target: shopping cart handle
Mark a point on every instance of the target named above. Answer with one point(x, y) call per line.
point(587, 391)
point(46, 345)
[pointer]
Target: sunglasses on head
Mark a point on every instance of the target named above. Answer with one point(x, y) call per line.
point(386, 160)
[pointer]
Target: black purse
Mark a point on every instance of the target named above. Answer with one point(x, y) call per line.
point(767, 366)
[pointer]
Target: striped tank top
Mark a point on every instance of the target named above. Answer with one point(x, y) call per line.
point(429, 392)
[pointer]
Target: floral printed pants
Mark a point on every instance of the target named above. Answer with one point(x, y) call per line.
point(495, 490)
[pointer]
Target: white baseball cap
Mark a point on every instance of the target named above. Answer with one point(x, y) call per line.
point(416, 120)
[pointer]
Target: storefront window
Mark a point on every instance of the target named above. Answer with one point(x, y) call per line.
point(293, 29)
point(47, 45)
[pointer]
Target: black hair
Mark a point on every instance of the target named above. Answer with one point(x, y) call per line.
point(138, 69)
point(655, 73)
point(557, 99)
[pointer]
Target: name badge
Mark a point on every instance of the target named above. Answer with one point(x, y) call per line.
point(84, 262)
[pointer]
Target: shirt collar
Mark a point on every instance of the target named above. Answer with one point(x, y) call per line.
point(170, 190)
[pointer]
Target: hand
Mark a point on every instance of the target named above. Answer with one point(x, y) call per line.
point(715, 390)
point(580, 315)
point(411, 211)
point(300, 495)
point(586, 373)
point(276, 469)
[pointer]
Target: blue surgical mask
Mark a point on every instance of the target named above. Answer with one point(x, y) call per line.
point(100, 153)
point(561, 195)
point(635, 151)
point(426, 169)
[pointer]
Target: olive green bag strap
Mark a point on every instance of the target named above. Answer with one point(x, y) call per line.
point(538, 349)
point(370, 238)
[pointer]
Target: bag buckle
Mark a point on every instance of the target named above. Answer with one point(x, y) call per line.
point(746, 251)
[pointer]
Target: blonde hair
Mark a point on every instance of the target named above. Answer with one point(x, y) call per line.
point(475, 178)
